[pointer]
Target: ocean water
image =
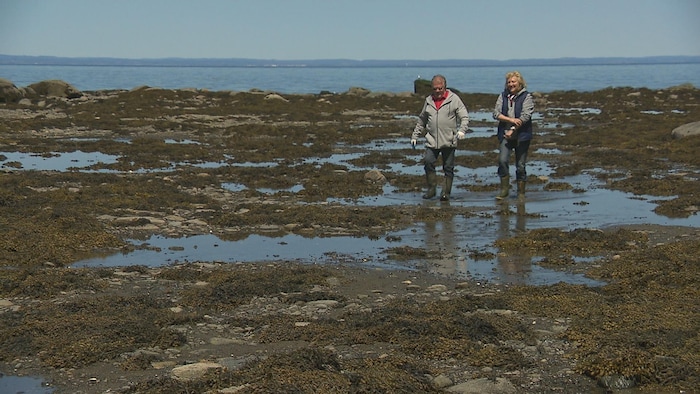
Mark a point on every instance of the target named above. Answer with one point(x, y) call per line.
point(300, 80)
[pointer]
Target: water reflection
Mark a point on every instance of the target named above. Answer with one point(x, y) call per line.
point(23, 384)
point(55, 161)
point(449, 242)
point(158, 250)
point(441, 242)
point(515, 266)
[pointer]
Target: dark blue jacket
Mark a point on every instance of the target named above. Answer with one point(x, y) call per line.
point(525, 131)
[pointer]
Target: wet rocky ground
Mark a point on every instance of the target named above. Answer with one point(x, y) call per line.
point(290, 326)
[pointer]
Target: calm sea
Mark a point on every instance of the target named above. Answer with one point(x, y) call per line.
point(380, 79)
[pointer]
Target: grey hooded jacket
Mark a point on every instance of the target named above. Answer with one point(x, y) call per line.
point(441, 126)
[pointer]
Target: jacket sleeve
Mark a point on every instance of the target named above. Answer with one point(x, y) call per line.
point(419, 129)
point(463, 116)
point(528, 108)
point(498, 107)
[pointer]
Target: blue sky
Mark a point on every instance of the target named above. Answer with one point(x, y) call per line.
point(350, 29)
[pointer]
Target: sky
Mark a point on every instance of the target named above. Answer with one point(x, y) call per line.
point(350, 29)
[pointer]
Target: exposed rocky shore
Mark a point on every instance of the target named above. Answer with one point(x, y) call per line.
point(294, 326)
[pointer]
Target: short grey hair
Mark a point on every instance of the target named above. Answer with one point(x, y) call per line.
point(439, 76)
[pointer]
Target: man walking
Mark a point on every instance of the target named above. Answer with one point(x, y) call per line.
point(443, 121)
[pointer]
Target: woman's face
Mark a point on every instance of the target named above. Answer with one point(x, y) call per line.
point(513, 85)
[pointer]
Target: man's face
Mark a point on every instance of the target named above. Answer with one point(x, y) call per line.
point(438, 88)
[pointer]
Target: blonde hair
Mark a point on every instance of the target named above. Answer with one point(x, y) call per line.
point(518, 76)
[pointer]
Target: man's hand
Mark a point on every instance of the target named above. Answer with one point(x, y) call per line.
point(461, 135)
point(413, 143)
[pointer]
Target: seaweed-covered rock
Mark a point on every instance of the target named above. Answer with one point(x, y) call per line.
point(9, 93)
point(55, 88)
point(686, 130)
point(357, 91)
point(422, 87)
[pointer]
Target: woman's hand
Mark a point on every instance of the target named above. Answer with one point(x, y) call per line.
point(509, 133)
point(515, 121)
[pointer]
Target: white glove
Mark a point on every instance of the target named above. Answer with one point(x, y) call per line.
point(461, 135)
point(414, 143)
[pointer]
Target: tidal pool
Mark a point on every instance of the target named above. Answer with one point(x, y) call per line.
point(55, 161)
point(451, 240)
point(23, 384)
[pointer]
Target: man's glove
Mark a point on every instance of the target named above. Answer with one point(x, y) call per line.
point(461, 135)
point(413, 143)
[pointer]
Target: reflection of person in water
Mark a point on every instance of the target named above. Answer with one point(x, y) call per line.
point(521, 217)
point(515, 265)
point(441, 241)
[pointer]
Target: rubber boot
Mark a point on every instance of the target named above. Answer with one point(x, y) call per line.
point(445, 196)
point(521, 189)
point(431, 178)
point(505, 186)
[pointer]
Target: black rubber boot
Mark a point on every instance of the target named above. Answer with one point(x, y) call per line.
point(431, 178)
point(446, 190)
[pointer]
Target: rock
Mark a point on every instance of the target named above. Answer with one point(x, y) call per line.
point(193, 371)
point(234, 389)
point(442, 381)
point(9, 93)
point(219, 341)
point(686, 130)
point(55, 88)
point(355, 91)
point(484, 386)
point(321, 305)
point(375, 176)
point(422, 87)
point(617, 382)
point(683, 86)
point(275, 96)
point(437, 288)
point(162, 364)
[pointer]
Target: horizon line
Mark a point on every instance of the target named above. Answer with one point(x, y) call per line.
point(356, 60)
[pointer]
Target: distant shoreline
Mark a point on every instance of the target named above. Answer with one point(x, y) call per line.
point(336, 63)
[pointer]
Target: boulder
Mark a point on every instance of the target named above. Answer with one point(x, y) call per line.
point(55, 88)
point(9, 93)
point(484, 386)
point(357, 91)
point(193, 371)
point(422, 87)
point(375, 176)
point(686, 130)
point(275, 96)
